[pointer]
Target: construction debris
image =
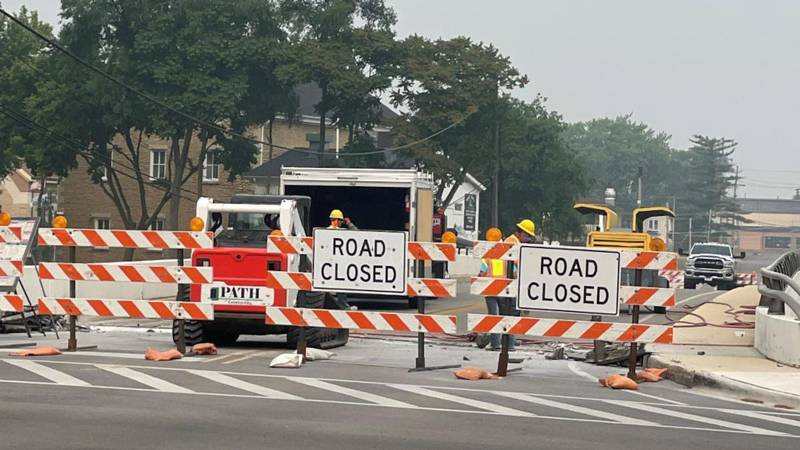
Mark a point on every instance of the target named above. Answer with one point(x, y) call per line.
point(652, 375)
point(617, 381)
point(204, 348)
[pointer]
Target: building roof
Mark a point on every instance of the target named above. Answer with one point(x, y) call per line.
point(769, 205)
point(309, 94)
point(273, 167)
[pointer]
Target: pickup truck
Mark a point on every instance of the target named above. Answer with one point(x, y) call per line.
point(713, 264)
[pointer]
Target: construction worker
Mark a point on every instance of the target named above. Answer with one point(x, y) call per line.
point(495, 268)
point(338, 220)
point(524, 234)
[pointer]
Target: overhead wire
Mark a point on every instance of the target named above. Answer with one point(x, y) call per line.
point(64, 141)
point(205, 124)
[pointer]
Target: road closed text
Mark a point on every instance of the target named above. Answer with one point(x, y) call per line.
point(349, 248)
point(359, 261)
point(569, 280)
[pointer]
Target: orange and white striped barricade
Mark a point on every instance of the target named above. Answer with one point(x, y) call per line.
point(291, 245)
point(361, 320)
point(10, 268)
point(674, 277)
point(569, 329)
point(10, 235)
point(496, 250)
point(748, 278)
point(138, 309)
point(302, 281)
point(644, 260)
point(126, 273)
point(11, 302)
point(628, 295)
point(143, 239)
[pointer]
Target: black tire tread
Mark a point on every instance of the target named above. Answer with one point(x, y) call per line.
point(193, 332)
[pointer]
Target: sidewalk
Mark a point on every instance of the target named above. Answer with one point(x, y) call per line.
point(721, 357)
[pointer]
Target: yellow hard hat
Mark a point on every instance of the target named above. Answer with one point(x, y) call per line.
point(527, 226)
point(337, 214)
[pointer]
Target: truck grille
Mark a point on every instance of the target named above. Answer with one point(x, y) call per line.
point(708, 264)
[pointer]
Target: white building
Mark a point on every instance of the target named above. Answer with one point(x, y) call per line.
point(463, 211)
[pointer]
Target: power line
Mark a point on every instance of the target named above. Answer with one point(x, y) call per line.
point(54, 137)
point(190, 118)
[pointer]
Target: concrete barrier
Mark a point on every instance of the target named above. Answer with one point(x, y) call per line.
point(95, 289)
point(777, 336)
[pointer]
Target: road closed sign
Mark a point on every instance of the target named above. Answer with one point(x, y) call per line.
point(567, 279)
point(355, 261)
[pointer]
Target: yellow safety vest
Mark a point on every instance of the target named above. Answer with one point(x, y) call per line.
point(496, 268)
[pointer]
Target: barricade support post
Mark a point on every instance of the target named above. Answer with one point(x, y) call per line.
point(72, 342)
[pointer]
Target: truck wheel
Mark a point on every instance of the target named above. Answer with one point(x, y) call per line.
point(221, 338)
point(193, 332)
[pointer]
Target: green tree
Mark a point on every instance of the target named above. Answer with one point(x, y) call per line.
point(23, 57)
point(446, 82)
point(346, 47)
point(613, 150)
point(541, 177)
point(213, 59)
point(707, 186)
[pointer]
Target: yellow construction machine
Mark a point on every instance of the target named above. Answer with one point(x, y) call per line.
point(608, 235)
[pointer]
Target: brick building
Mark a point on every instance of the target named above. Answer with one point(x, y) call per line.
point(86, 205)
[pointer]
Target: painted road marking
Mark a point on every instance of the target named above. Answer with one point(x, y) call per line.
point(762, 416)
point(462, 400)
point(244, 357)
point(696, 418)
point(43, 371)
point(243, 385)
point(361, 395)
point(574, 408)
point(145, 379)
point(485, 408)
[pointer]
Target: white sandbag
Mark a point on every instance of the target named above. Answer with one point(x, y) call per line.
point(316, 354)
point(287, 360)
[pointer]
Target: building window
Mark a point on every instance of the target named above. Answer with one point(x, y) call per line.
point(158, 164)
point(653, 224)
point(458, 206)
point(211, 166)
point(102, 223)
point(158, 225)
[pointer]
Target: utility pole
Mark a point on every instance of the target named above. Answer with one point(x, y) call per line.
point(708, 239)
point(496, 184)
point(690, 233)
point(639, 196)
point(674, 220)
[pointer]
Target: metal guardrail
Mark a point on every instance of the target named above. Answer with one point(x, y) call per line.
point(779, 288)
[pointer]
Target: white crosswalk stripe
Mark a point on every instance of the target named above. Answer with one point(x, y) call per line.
point(361, 395)
point(147, 380)
point(604, 410)
point(243, 385)
point(56, 376)
point(462, 400)
point(709, 420)
point(574, 408)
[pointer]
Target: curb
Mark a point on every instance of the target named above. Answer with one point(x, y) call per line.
point(686, 376)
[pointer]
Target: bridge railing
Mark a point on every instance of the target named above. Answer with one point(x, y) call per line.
point(780, 285)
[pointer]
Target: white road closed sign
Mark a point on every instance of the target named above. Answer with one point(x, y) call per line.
point(569, 279)
point(355, 261)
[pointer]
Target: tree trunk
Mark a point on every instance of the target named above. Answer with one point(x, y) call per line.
point(322, 130)
point(270, 139)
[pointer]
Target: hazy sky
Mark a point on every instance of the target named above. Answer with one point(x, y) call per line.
point(721, 68)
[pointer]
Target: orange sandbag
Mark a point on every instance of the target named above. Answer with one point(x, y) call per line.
point(205, 348)
point(652, 375)
point(616, 381)
point(38, 351)
point(155, 355)
point(473, 374)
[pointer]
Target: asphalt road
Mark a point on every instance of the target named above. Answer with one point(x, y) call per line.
point(365, 398)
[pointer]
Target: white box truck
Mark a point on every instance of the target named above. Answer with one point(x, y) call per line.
point(374, 199)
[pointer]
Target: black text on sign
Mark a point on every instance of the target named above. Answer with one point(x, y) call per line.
point(359, 261)
point(565, 279)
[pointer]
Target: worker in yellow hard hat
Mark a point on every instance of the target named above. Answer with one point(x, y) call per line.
point(338, 220)
point(524, 234)
point(493, 268)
